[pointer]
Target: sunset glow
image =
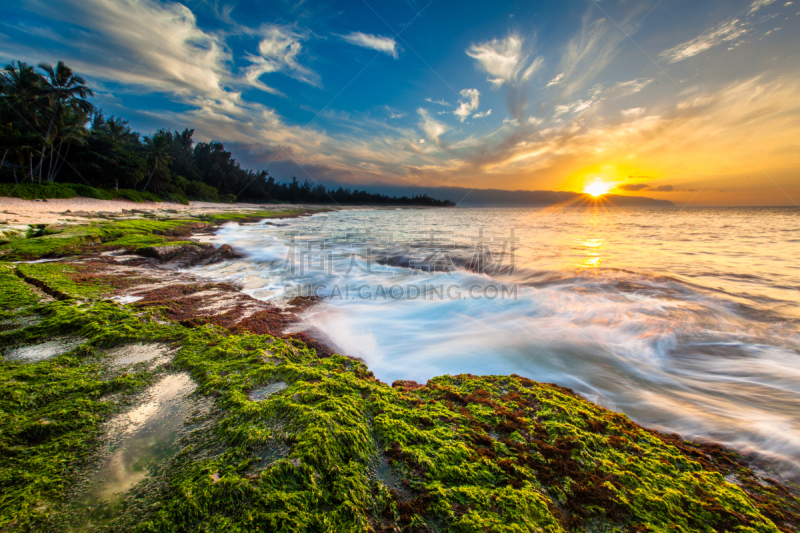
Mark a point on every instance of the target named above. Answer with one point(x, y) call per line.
point(491, 102)
point(597, 188)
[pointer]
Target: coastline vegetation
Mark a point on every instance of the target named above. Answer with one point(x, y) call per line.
point(327, 447)
point(55, 144)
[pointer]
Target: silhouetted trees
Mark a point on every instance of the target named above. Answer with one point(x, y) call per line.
point(49, 131)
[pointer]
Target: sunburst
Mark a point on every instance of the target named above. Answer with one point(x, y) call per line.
point(597, 188)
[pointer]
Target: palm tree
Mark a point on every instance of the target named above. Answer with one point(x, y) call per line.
point(158, 149)
point(69, 130)
point(118, 130)
point(63, 89)
point(21, 88)
point(21, 95)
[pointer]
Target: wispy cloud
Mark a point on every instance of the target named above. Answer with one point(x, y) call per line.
point(394, 113)
point(727, 31)
point(633, 112)
point(154, 46)
point(440, 102)
point(387, 45)
point(465, 108)
point(279, 50)
point(758, 4)
point(507, 64)
point(504, 60)
point(433, 129)
point(556, 80)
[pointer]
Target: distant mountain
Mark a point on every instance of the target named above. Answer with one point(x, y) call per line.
point(499, 198)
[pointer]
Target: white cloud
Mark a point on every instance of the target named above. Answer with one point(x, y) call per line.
point(758, 4)
point(387, 45)
point(575, 107)
point(394, 113)
point(465, 109)
point(727, 31)
point(440, 102)
point(503, 60)
point(482, 114)
point(151, 45)
point(633, 112)
point(279, 51)
point(432, 128)
point(538, 62)
point(556, 80)
point(625, 88)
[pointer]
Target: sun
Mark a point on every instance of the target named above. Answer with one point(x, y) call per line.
point(597, 188)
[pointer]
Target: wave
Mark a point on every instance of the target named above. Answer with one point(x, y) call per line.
point(669, 349)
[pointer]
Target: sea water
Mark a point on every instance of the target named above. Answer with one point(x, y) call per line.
point(686, 320)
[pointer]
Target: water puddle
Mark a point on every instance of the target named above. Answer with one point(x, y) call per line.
point(262, 393)
point(140, 353)
point(126, 299)
point(143, 439)
point(381, 470)
point(44, 350)
point(274, 451)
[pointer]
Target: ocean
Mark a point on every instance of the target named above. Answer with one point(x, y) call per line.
point(686, 320)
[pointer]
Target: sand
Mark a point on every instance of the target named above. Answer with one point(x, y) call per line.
point(18, 213)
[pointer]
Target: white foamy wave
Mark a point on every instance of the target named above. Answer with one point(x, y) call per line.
point(703, 350)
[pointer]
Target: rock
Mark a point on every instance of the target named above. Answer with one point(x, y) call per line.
point(186, 255)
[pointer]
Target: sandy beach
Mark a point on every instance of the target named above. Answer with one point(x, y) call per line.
point(18, 212)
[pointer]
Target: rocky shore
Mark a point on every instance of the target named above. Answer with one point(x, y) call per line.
point(137, 397)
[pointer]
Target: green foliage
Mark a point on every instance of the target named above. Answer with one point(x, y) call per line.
point(91, 192)
point(28, 191)
point(176, 198)
point(137, 196)
point(42, 126)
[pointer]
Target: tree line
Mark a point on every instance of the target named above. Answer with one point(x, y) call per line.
point(50, 131)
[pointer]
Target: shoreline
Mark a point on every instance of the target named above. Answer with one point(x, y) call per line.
point(531, 445)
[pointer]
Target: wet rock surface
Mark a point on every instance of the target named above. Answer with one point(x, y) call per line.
point(291, 436)
point(266, 391)
point(176, 257)
point(130, 354)
point(44, 350)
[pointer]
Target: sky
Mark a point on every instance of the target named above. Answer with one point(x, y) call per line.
point(693, 102)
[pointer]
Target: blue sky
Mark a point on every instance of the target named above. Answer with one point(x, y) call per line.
point(683, 100)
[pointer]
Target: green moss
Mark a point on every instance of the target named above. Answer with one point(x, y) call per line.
point(252, 216)
point(62, 280)
point(51, 411)
point(336, 450)
point(15, 294)
point(65, 240)
point(56, 241)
